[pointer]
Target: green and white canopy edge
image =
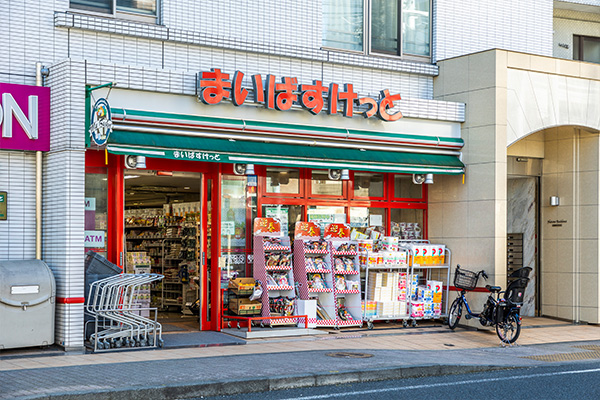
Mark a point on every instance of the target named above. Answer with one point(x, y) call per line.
point(214, 139)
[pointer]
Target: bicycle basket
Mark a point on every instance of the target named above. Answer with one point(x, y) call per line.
point(464, 279)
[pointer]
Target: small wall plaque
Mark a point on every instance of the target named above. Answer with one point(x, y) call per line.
point(3, 207)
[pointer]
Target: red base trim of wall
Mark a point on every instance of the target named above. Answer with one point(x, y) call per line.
point(70, 300)
point(477, 290)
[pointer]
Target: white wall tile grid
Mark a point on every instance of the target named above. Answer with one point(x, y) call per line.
point(258, 44)
point(469, 26)
point(17, 178)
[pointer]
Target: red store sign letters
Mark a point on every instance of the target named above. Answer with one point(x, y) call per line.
point(214, 86)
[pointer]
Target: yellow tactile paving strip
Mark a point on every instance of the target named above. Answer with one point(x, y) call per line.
point(438, 339)
point(580, 355)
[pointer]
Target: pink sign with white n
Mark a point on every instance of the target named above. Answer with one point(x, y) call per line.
point(24, 117)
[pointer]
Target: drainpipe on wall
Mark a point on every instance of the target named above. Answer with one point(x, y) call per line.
point(39, 81)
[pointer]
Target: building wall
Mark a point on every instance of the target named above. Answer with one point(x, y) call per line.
point(558, 92)
point(568, 23)
point(469, 26)
point(470, 217)
point(64, 192)
point(570, 232)
point(524, 102)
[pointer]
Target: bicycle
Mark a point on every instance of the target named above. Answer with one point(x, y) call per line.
point(503, 312)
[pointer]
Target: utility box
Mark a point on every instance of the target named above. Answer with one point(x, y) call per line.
point(27, 304)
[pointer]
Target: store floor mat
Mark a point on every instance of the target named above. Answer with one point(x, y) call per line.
point(260, 333)
point(173, 328)
point(199, 339)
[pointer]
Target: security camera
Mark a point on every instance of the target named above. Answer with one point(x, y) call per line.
point(418, 179)
point(334, 174)
point(239, 169)
point(135, 162)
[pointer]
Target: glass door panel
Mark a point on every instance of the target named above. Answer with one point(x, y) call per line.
point(233, 228)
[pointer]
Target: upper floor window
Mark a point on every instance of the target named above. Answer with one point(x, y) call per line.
point(398, 27)
point(586, 48)
point(142, 8)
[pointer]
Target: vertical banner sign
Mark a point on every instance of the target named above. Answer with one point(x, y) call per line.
point(101, 122)
point(24, 117)
point(3, 206)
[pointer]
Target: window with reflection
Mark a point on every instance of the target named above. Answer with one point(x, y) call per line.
point(367, 184)
point(283, 181)
point(407, 223)
point(367, 219)
point(96, 210)
point(322, 185)
point(287, 215)
point(404, 188)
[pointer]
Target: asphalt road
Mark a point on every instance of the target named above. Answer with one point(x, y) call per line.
point(565, 381)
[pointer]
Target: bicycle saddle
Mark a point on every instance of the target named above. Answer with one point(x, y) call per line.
point(493, 289)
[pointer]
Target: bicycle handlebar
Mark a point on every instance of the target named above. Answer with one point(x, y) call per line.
point(482, 272)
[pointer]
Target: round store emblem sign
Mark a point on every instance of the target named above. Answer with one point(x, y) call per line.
point(101, 122)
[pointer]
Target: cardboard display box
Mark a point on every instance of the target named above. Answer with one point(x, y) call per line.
point(244, 306)
point(242, 286)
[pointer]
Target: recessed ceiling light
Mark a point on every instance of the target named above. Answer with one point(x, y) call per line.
point(186, 187)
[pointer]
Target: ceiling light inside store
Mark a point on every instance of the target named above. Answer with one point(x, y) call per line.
point(186, 187)
point(131, 176)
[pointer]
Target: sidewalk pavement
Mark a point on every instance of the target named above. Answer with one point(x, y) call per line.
point(388, 351)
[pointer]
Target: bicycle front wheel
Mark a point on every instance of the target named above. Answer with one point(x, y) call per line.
point(455, 313)
point(508, 331)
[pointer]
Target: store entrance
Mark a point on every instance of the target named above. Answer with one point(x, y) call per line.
point(166, 214)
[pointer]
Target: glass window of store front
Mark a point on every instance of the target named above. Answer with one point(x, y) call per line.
point(386, 203)
point(396, 27)
point(96, 210)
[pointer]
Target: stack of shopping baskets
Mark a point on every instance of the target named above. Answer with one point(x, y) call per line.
point(117, 322)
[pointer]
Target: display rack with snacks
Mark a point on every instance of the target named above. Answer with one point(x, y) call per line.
point(346, 275)
point(273, 268)
point(314, 275)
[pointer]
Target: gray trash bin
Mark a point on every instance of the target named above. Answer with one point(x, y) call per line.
point(27, 304)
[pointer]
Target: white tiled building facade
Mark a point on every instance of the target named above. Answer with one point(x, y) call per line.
point(283, 38)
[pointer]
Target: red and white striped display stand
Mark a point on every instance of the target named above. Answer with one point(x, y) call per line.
point(264, 229)
point(305, 234)
point(348, 295)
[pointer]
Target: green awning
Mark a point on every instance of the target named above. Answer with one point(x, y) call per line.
point(182, 147)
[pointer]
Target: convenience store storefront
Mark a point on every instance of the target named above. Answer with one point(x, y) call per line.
point(221, 166)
